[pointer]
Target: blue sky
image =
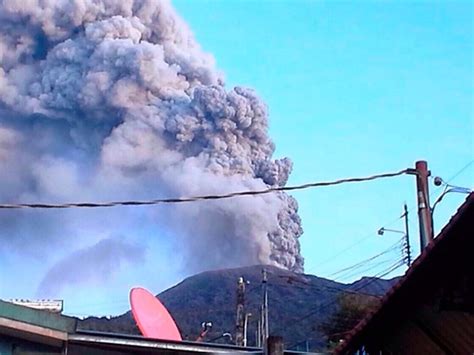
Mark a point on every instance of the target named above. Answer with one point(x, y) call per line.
point(353, 88)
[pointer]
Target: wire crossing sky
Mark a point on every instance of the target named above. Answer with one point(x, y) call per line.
point(340, 88)
point(354, 87)
point(199, 198)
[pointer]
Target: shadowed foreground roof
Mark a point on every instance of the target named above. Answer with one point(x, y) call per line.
point(414, 311)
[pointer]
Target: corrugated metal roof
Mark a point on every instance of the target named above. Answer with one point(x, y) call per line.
point(454, 242)
point(126, 342)
point(83, 341)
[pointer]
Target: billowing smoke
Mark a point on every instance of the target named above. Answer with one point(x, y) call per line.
point(105, 99)
point(92, 265)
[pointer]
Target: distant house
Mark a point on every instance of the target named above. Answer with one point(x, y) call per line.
point(24, 330)
point(431, 309)
point(27, 331)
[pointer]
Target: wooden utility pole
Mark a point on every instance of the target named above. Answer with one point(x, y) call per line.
point(258, 332)
point(264, 325)
point(424, 209)
point(246, 325)
point(240, 316)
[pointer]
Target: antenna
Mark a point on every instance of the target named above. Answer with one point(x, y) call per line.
point(152, 317)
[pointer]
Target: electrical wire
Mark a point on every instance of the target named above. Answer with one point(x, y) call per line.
point(305, 286)
point(459, 172)
point(385, 272)
point(356, 243)
point(198, 198)
point(346, 277)
point(331, 258)
point(434, 191)
point(189, 312)
point(363, 269)
point(321, 288)
point(350, 268)
point(382, 274)
point(376, 277)
point(101, 305)
point(364, 262)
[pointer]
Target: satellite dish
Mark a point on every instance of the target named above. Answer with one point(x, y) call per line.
point(152, 318)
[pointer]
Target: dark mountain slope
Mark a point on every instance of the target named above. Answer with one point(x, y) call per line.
point(298, 303)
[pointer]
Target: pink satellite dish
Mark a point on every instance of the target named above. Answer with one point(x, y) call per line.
point(152, 318)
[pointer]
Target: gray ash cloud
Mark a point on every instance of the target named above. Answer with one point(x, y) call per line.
point(116, 99)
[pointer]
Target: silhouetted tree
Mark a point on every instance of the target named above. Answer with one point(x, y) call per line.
point(352, 309)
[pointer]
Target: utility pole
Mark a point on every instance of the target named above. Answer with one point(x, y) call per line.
point(424, 209)
point(264, 325)
point(407, 234)
point(246, 324)
point(258, 332)
point(240, 317)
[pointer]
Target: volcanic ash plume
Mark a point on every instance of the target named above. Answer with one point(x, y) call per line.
point(105, 100)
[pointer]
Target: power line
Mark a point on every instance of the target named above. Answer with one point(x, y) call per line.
point(460, 171)
point(434, 191)
point(199, 198)
point(364, 262)
point(376, 277)
point(106, 304)
point(456, 174)
point(381, 274)
point(305, 286)
point(356, 243)
point(347, 276)
point(332, 257)
point(302, 284)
